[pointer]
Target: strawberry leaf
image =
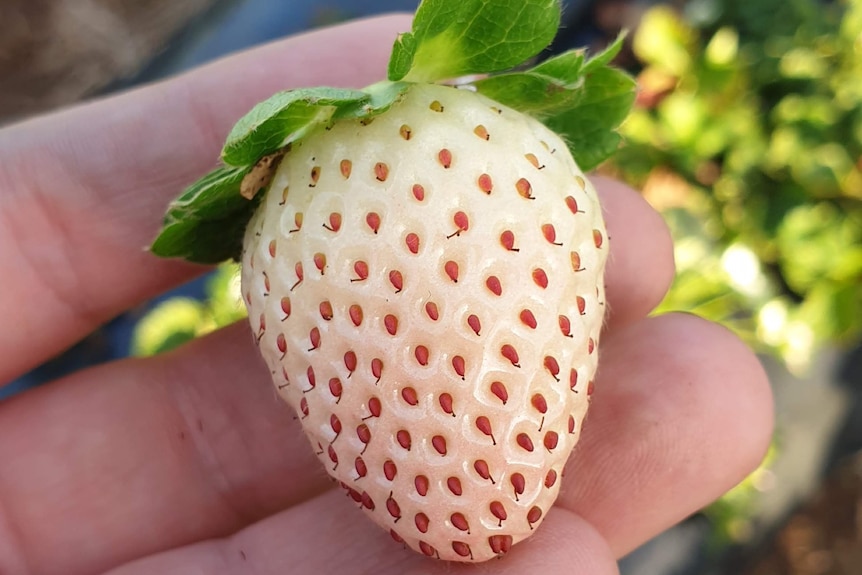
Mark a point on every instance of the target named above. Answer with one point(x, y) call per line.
point(589, 127)
point(282, 119)
point(529, 93)
point(453, 38)
point(206, 223)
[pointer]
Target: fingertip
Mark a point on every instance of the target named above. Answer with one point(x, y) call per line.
point(641, 262)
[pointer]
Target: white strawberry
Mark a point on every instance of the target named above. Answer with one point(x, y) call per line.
point(424, 278)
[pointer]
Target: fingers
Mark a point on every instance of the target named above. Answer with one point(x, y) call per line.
point(682, 412)
point(325, 535)
point(82, 192)
point(640, 265)
point(140, 456)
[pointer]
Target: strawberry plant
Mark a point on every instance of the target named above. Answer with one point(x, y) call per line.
point(422, 262)
point(748, 135)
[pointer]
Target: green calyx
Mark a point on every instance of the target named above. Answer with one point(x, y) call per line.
point(583, 100)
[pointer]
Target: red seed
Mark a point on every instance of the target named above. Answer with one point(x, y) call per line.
point(550, 234)
point(421, 484)
point(572, 204)
point(367, 502)
point(474, 324)
point(571, 424)
point(355, 313)
point(427, 549)
point(461, 549)
point(498, 389)
point(355, 495)
point(507, 238)
point(297, 220)
point(285, 307)
point(373, 221)
point(481, 467)
point(439, 443)
point(482, 132)
point(525, 189)
point(334, 222)
point(312, 380)
point(459, 522)
point(459, 366)
point(333, 456)
point(528, 319)
point(299, 274)
point(590, 387)
point(350, 362)
point(582, 305)
point(500, 544)
point(361, 468)
point(451, 270)
point(498, 510)
point(389, 469)
point(540, 278)
point(393, 508)
point(376, 368)
point(445, 158)
point(361, 269)
point(446, 403)
point(576, 262)
point(484, 425)
point(335, 424)
point(573, 379)
point(493, 284)
point(391, 323)
point(551, 440)
point(381, 171)
point(421, 354)
point(346, 167)
point(363, 433)
point(539, 403)
point(431, 310)
point(591, 345)
point(419, 192)
point(374, 406)
point(518, 484)
point(525, 442)
point(320, 262)
point(314, 337)
point(421, 521)
point(303, 406)
point(397, 280)
point(266, 288)
point(485, 183)
point(403, 438)
point(534, 514)
point(598, 238)
point(510, 353)
point(326, 310)
point(395, 536)
point(412, 242)
point(550, 478)
point(272, 246)
point(552, 366)
point(454, 485)
point(565, 326)
point(461, 222)
point(409, 395)
point(281, 344)
point(335, 388)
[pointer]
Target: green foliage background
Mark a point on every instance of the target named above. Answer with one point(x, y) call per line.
point(748, 137)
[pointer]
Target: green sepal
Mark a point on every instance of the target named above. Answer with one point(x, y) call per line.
point(454, 38)
point(590, 126)
point(584, 101)
point(282, 119)
point(207, 222)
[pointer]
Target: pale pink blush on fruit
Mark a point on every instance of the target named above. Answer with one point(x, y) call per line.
point(427, 289)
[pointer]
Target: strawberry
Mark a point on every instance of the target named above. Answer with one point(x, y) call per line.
point(423, 270)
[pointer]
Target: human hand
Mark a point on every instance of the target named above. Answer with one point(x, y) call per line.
point(187, 462)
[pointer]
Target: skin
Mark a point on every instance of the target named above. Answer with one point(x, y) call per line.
point(187, 463)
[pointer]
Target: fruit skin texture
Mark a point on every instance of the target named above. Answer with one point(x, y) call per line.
point(427, 292)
